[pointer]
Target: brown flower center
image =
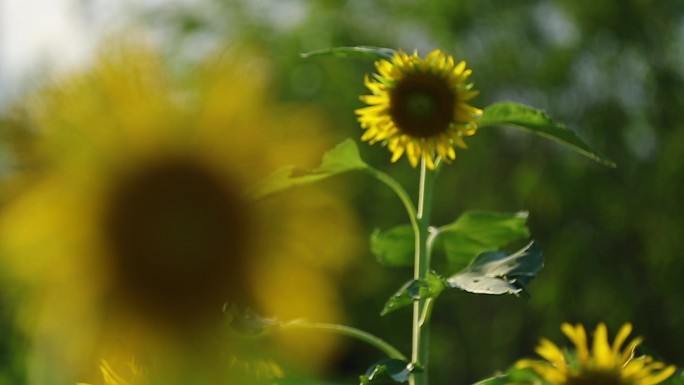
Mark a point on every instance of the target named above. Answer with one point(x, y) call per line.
point(596, 378)
point(177, 235)
point(422, 105)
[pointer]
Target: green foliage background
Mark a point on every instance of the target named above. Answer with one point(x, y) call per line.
point(613, 238)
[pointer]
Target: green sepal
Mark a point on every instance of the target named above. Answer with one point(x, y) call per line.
point(414, 290)
point(394, 247)
point(498, 272)
point(475, 232)
point(538, 122)
point(388, 371)
point(360, 51)
point(340, 159)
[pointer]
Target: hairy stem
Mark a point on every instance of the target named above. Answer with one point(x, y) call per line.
point(420, 341)
point(348, 331)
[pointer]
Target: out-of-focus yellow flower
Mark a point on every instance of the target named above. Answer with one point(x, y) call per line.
point(254, 371)
point(136, 226)
point(133, 376)
point(419, 107)
point(605, 364)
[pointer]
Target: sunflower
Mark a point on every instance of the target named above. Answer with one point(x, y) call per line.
point(419, 107)
point(255, 371)
point(606, 364)
point(135, 225)
point(133, 375)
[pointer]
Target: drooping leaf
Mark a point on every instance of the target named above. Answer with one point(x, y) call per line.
point(475, 232)
point(498, 272)
point(536, 121)
point(358, 51)
point(414, 290)
point(388, 372)
point(342, 158)
point(394, 247)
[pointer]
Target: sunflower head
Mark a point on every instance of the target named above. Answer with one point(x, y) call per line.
point(129, 220)
point(419, 107)
point(604, 364)
point(177, 232)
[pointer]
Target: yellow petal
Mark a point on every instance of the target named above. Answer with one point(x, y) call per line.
point(375, 99)
point(412, 153)
point(628, 353)
point(429, 158)
point(633, 368)
point(578, 336)
point(460, 67)
point(370, 110)
point(397, 153)
point(110, 376)
point(550, 352)
point(551, 374)
point(660, 377)
point(458, 140)
point(622, 335)
point(601, 350)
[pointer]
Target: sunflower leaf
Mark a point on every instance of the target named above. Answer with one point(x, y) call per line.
point(388, 371)
point(342, 158)
point(414, 290)
point(477, 231)
point(358, 51)
point(394, 247)
point(538, 122)
point(496, 272)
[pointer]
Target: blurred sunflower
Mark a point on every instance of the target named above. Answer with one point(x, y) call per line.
point(419, 107)
point(133, 376)
point(254, 371)
point(135, 224)
point(606, 364)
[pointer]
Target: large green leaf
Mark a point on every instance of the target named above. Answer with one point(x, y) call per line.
point(342, 158)
point(388, 372)
point(478, 231)
point(499, 272)
point(394, 247)
point(358, 51)
point(414, 290)
point(538, 122)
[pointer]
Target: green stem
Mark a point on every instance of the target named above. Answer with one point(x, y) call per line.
point(420, 342)
point(349, 331)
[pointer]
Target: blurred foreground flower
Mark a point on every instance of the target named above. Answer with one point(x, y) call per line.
point(419, 106)
point(135, 226)
point(134, 375)
point(606, 364)
point(256, 371)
